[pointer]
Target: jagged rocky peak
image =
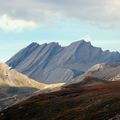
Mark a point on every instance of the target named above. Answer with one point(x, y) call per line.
point(53, 45)
point(80, 48)
point(76, 50)
point(49, 45)
point(48, 62)
point(34, 44)
point(80, 43)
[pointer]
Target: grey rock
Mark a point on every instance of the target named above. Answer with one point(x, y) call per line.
point(51, 63)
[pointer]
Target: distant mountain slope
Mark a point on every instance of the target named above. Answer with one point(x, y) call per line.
point(51, 63)
point(97, 102)
point(86, 81)
point(109, 72)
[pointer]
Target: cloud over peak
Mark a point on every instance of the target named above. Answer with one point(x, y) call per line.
point(102, 13)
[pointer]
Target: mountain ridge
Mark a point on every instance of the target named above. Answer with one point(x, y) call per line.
point(52, 63)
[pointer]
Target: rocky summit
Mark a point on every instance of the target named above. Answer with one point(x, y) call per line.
point(52, 63)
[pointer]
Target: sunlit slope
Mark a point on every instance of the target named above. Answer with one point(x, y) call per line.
point(12, 78)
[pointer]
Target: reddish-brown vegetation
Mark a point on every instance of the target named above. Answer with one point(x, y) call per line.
point(98, 102)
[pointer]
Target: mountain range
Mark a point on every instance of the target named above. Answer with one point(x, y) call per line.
point(78, 82)
point(52, 63)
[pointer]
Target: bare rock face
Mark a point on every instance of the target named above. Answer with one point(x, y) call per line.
point(51, 63)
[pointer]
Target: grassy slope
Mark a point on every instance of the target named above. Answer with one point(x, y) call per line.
point(13, 83)
point(12, 78)
point(98, 102)
point(10, 95)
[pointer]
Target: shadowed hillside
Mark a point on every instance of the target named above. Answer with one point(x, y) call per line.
point(97, 102)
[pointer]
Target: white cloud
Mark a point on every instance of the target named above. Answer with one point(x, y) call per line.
point(103, 13)
point(8, 24)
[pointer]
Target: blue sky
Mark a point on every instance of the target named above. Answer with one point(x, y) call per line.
point(58, 21)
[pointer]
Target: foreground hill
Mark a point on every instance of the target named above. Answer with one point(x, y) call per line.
point(51, 63)
point(85, 81)
point(97, 102)
point(15, 86)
